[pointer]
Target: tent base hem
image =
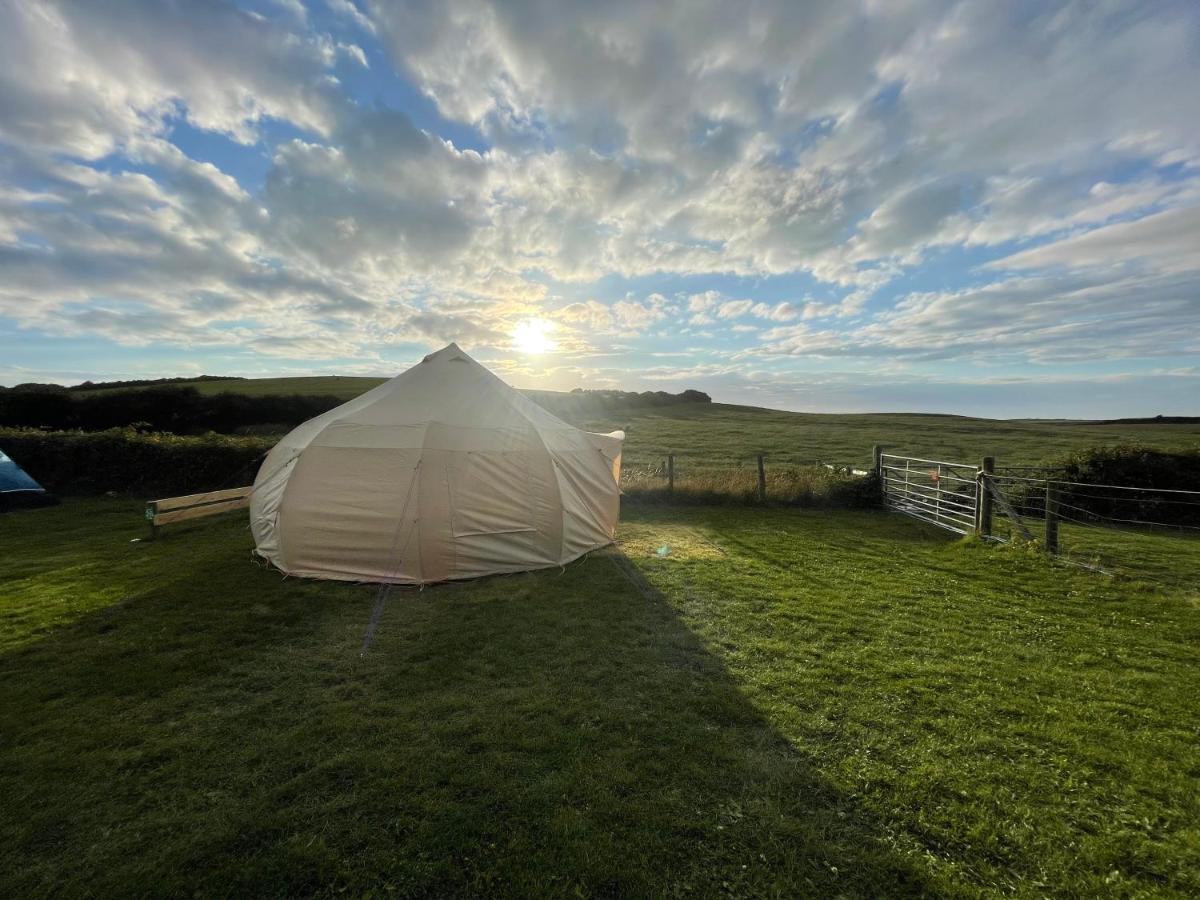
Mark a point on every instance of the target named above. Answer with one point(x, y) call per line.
point(359, 578)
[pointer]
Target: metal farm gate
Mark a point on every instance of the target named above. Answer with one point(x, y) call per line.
point(942, 493)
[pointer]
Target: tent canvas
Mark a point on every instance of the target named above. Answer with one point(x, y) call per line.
point(16, 486)
point(443, 472)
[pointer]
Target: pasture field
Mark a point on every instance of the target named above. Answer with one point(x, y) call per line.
point(704, 435)
point(740, 702)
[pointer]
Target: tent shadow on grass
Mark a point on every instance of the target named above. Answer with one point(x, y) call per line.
point(541, 734)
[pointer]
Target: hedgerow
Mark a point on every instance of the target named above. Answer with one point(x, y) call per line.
point(130, 462)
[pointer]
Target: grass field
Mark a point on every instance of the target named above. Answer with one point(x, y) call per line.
point(704, 435)
point(788, 702)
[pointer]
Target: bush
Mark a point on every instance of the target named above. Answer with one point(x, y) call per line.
point(126, 461)
point(1134, 466)
point(179, 410)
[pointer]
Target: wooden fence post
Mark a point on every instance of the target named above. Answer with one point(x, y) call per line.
point(762, 481)
point(1051, 518)
point(983, 504)
point(670, 473)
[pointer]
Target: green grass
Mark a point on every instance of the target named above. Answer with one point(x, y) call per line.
point(1166, 556)
point(706, 435)
point(789, 702)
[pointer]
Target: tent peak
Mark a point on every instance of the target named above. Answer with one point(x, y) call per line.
point(451, 350)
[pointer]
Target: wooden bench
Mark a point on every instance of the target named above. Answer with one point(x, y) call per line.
point(195, 506)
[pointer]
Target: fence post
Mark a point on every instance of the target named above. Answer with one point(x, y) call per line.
point(762, 481)
point(670, 473)
point(1051, 518)
point(877, 468)
point(983, 504)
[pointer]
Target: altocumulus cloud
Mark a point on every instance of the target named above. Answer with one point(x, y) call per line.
point(767, 194)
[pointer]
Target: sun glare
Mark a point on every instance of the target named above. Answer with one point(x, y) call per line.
point(532, 336)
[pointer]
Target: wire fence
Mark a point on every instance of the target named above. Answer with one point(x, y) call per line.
point(1149, 533)
point(750, 479)
point(1144, 532)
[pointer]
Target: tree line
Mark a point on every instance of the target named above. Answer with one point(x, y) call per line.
point(185, 410)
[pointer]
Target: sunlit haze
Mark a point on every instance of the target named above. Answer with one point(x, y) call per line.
point(532, 336)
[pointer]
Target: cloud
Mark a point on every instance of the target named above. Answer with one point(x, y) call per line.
point(348, 9)
point(355, 53)
point(1167, 242)
point(1043, 319)
point(382, 194)
point(862, 151)
point(731, 309)
point(780, 312)
point(907, 219)
point(83, 78)
point(627, 317)
point(705, 308)
point(700, 109)
point(633, 316)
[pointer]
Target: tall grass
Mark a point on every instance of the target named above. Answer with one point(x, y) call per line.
point(786, 485)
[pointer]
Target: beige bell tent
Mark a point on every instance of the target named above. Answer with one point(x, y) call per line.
point(442, 472)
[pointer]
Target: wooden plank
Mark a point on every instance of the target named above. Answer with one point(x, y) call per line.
point(198, 512)
point(195, 499)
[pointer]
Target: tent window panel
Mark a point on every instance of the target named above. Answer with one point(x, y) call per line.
point(490, 493)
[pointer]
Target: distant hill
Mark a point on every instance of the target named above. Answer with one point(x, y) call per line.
point(150, 382)
point(344, 387)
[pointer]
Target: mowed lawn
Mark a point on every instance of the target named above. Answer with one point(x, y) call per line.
point(747, 702)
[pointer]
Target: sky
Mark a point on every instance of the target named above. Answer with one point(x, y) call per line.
point(980, 208)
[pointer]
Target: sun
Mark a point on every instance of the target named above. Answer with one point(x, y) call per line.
point(532, 336)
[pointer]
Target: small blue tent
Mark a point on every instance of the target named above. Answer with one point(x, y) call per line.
point(16, 487)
